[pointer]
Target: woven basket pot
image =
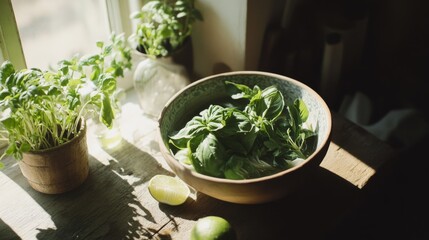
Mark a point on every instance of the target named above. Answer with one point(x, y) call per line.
point(58, 169)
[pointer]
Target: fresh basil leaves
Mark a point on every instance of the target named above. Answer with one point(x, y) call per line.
point(42, 109)
point(254, 135)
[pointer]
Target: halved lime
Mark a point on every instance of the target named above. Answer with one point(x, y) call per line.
point(169, 190)
point(211, 228)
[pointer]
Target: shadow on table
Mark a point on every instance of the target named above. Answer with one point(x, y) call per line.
point(307, 213)
point(6, 233)
point(107, 197)
point(396, 207)
point(312, 211)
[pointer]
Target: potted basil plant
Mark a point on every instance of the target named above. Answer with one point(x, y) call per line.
point(163, 35)
point(44, 113)
point(164, 26)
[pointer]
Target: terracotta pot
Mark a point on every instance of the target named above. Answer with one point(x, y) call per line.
point(58, 169)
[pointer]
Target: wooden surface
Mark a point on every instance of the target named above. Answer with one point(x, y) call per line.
point(114, 202)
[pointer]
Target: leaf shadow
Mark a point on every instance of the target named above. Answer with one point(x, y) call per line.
point(106, 205)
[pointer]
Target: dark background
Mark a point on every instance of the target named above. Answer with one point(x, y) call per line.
point(393, 65)
point(393, 71)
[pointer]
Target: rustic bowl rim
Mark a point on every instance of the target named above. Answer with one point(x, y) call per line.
point(177, 164)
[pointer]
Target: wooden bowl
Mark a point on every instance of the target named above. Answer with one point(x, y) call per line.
point(200, 94)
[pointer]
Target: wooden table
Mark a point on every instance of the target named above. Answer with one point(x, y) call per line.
point(114, 203)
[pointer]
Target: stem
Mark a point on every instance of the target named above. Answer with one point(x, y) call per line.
point(295, 147)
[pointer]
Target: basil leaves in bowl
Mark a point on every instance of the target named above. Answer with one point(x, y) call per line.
point(245, 137)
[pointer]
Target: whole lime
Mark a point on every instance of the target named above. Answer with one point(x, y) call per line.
point(211, 228)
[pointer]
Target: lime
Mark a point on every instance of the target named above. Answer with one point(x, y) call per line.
point(169, 190)
point(213, 227)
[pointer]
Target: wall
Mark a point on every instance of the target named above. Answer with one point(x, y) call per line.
point(230, 37)
point(260, 15)
point(220, 38)
point(398, 54)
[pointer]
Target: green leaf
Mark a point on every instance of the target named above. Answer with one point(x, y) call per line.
point(239, 133)
point(195, 142)
point(100, 44)
point(108, 84)
point(25, 147)
point(119, 71)
point(192, 129)
point(106, 112)
point(12, 149)
point(4, 93)
point(213, 118)
point(242, 121)
point(64, 81)
point(95, 73)
point(89, 60)
point(238, 91)
point(9, 123)
point(234, 168)
point(65, 63)
point(211, 155)
point(6, 70)
point(274, 102)
point(73, 99)
point(181, 15)
point(294, 119)
point(310, 143)
point(108, 50)
point(53, 90)
point(136, 15)
point(184, 156)
point(303, 111)
point(64, 69)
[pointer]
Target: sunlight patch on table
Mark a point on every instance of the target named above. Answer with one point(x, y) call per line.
point(351, 168)
point(20, 211)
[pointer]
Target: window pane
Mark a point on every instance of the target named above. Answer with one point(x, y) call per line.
point(54, 30)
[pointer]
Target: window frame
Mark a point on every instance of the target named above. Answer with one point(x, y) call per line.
point(10, 42)
point(118, 13)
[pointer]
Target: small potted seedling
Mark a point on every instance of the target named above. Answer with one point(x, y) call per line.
point(44, 113)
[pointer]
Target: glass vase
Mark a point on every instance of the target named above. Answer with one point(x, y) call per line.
point(156, 80)
point(108, 138)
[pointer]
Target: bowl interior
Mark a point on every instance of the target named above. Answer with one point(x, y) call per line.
point(200, 94)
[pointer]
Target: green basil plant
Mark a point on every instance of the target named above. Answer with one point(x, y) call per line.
point(164, 25)
point(255, 134)
point(41, 109)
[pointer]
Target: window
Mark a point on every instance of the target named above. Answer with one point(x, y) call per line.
point(54, 30)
